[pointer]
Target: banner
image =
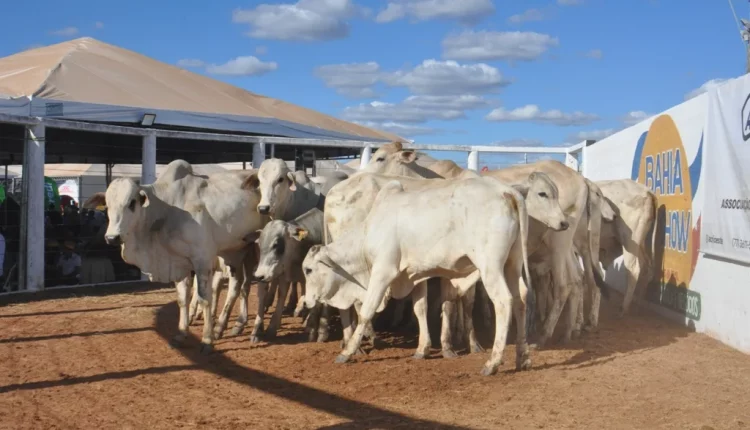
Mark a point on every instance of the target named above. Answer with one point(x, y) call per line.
point(726, 222)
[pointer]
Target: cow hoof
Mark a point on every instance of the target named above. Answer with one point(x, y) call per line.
point(237, 331)
point(575, 334)
point(524, 365)
point(477, 348)
point(322, 337)
point(270, 334)
point(341, 359)
point(312, 336)
point(419, 356)
point(488, 371)
point(206, 349)
point(449, 353)
point(360, 351)
point(254, 338)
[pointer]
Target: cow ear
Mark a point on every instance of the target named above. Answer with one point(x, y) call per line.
point(251, 182)
point(532, 176)
point(398, 145)
point(299, 233)
point(408, 156)
point(143, 198)
point(292, 182)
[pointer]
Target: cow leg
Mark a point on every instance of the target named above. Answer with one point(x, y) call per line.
point(497, 290)
point(380, 279)
point(195, 311)
point(182, 301)
point(215, 291)
point(311, 323)
point(575, 302)
point(375, 341)
point(323, 324)
point(632, 271)
point(300, 310)
point(591, 290)
point(518, 290)
point(467, 302)
point(237, 278)
point(419, 298)
point(272, 287)
point(204, 290)
point(398, 313)
point(293, 300)
point(239, 325)
point(447, 317)
point(258, 326)
point(275, 323)
point(562, 284)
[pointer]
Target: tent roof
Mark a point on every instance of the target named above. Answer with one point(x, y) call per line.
point(88, 71)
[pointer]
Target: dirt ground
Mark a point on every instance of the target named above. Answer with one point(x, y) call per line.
point(104, 362)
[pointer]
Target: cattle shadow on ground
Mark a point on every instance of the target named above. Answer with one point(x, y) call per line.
point(71, 335)
point(360, 414)
point(76, 311)
point(135, 287)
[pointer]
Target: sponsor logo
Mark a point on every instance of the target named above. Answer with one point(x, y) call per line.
point(746, 119)
point(743, 204)
point(740, 243)
point(712, 239)
point(661, 163)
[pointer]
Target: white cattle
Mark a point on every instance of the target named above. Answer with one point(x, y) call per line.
point(349, 203)
point(282, 199)
point(443, 230)
point(632, 233)
point(180, 224)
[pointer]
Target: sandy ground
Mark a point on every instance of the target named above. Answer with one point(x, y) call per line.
point(104, 362)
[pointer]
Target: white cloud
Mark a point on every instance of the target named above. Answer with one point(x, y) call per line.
point(352, 79)
point(595, 54)
point(569, 2)
point(466, 11)
point(99, 25)
point(191, 62)
point(306, 20)
point(527, 16)
point(404, 130)
point(708, 85)
point(65, 32)
point(532, 113)
point(416, 109)
point(495, 45)
point(242, 66)
point(593, 134)
point(634, 117)
point(448, 77)
point(261, 50)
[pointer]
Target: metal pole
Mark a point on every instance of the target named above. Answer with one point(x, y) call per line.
point(32, 205)
point(148, 160)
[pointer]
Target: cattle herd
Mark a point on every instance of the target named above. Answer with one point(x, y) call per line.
point(533, 234)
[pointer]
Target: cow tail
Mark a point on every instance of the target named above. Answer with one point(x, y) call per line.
point(648, 254)
point(595, 224)
point(523, 221)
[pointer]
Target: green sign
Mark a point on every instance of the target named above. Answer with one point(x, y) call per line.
point(51, 195)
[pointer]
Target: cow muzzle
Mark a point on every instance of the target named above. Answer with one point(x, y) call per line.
point(564, 225)
point(264, 210)
point(113, 239)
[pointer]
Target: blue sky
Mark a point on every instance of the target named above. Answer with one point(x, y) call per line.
point(437, 71)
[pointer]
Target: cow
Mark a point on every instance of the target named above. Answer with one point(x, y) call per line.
point(350, 206)
point(442, 230)
point(282, 199)
point(179, 225)
point(631, 234)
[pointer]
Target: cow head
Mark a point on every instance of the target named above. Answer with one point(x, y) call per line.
point(542, 203)
point(392, 159)
point(323, 277)
point(596, 197)
point(277, 243)
point(125, 204)
point(275, 182)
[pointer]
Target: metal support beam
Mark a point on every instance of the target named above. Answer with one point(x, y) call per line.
point(473, 161)
point(259, 154)
point(32, 207)
point(366, 155)
point(148, 160)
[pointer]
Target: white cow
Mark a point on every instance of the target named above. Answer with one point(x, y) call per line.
point(632, 233)
point(282, 199)
point(449, 229)
point(179, 224)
